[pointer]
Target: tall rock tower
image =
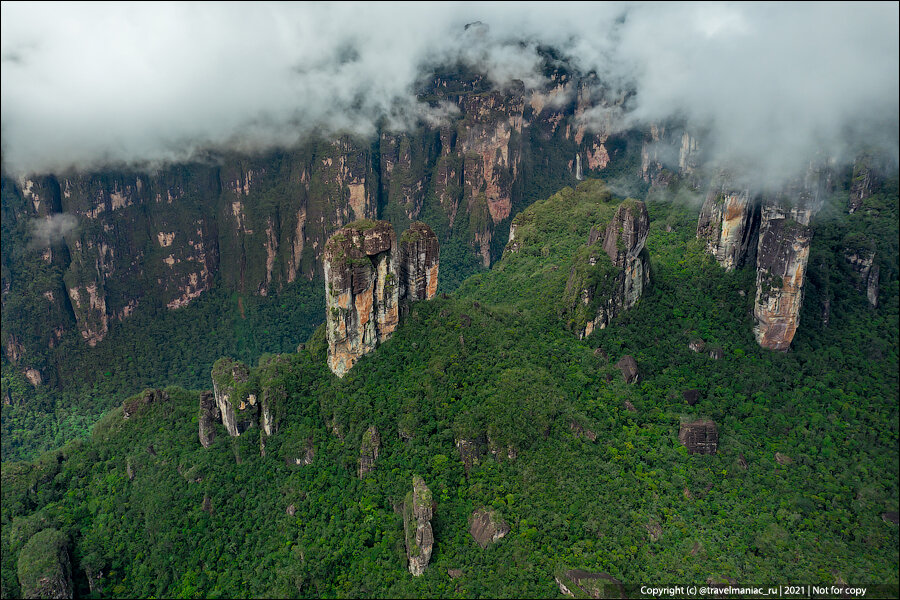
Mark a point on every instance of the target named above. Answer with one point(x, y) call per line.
point(366, 276)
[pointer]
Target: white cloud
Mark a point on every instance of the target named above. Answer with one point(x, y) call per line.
point(90, 84)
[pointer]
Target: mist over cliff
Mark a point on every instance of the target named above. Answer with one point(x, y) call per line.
point(769, 87)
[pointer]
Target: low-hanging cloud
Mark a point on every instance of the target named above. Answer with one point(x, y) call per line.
point(772, 86)
point(52, 229)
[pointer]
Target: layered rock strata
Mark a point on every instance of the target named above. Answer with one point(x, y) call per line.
point(610, 274)
point(419, 250)
point(417, 513)
point(367, 274)
point(361, 291)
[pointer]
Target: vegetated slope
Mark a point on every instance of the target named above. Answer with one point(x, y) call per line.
point(148, 511)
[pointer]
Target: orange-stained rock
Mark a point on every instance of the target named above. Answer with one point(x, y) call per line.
point(782, 256)
point(361, 291)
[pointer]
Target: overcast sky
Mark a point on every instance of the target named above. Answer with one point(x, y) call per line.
point(87, 85)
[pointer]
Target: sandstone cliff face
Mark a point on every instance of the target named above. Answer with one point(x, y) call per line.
point(610, 274)
point(417, 512)
point(862, 185)
point(729, 223)
point(419, 250)
point(257, 223)
point(367, 275)
point(361, 291)
point(782, 257)
point(668, 150)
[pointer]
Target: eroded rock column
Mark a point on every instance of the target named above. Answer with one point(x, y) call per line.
point(361, 291)
point(782, 257)
point(417, 512)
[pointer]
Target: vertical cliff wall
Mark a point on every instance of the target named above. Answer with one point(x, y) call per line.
point(781, 259)
point(729, 223)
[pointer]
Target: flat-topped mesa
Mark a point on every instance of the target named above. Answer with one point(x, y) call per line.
point(781, 260)
point(729, 223)
point(419, 251)
point(361, 291)
point(608, 277)
point(367, 273)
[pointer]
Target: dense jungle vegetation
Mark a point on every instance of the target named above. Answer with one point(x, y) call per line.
point(148, 512)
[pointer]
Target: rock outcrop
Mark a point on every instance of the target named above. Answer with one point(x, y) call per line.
point(368, 454)
point(859, 253)
point(417, 513)
point(137, 403)
point(585, 584)
point(782, 256)
point(487, 527)
point(610, 274)
point(419, 250)
point(628, 366)
point(209, 416)
point(863, 183)
point(367, 274)
point(699, 437)
point(361, 291)
point(729, 223)
point(44, 567)
point(236, 402)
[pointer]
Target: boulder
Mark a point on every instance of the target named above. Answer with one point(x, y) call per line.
point(783, 459)
point(699, 437)
point(691, 396)
point(628, 366)
point(487, 527)
point(585, 584)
